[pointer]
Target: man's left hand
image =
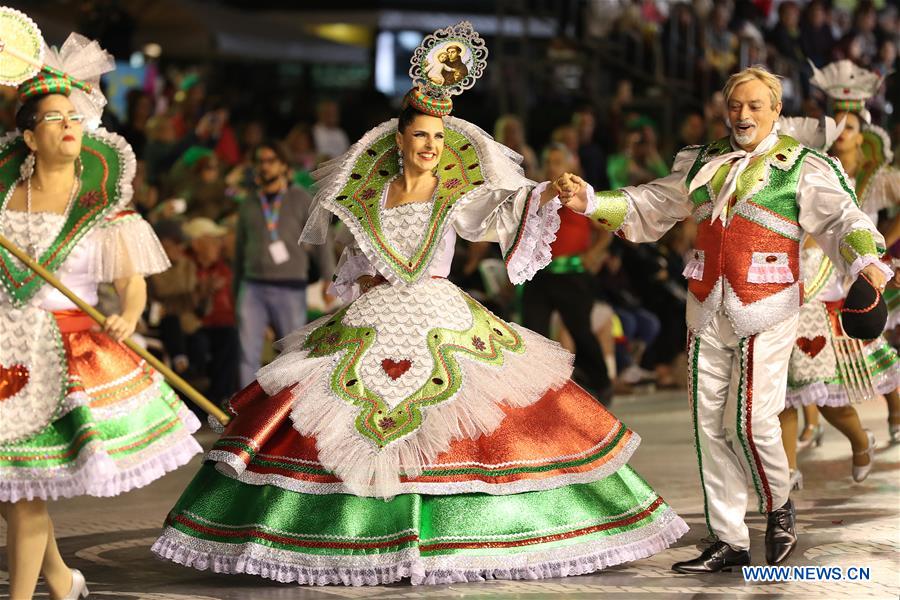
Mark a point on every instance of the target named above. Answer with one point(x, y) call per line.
point(875, 276)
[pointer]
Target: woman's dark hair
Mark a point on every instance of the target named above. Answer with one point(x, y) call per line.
point(26, 116)
point(407, 116)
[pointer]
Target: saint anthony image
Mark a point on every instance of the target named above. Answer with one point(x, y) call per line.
point(455, 70)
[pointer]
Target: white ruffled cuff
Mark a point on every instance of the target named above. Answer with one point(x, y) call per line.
point(537, 231)
point(865, 260)
point(127, 246)
point(351, 268)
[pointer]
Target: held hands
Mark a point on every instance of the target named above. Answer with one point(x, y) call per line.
point(118, 327)
point(572, 191)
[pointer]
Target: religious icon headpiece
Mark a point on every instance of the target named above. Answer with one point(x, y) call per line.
point(446, 63)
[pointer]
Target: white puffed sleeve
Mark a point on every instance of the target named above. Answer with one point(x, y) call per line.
point(516, 220)
point(125, 246)
point(828, 212)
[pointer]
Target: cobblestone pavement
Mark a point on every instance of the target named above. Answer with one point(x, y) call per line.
point(841, 524)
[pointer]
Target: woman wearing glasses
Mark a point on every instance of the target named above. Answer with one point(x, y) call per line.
point(80, 414)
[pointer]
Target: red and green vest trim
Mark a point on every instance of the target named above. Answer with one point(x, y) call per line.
point(358, 203)
point(486, 341)
point(104, 167)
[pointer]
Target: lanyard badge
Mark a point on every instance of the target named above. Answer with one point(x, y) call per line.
point(272, 213)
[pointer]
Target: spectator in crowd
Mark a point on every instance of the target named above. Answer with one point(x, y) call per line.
point(628, 34)
point(618, 108)
point(590, 153)
point(146, 196)
point(271, 269)
point(172, 295)
point(214, 130)
point(330, 140)
point(720, 48)
point(865, 20)
point(190, 103)
point(197, 179)
point(566, 286)
point(139, 109)
point(162, 148)
point(886, 61)
point(692, 130)
point(682, 43)
point(639, 161)
point(509, 131)
point(816, 38)
point(666, 299)
point(213, 347)
point(301, 149)
point(715, 115)
point(567, 136)
point(785, 37)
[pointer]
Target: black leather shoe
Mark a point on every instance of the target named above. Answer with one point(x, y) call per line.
point(780, 537)
point(718, 557)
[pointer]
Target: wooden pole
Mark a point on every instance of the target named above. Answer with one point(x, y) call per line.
point(183, 386)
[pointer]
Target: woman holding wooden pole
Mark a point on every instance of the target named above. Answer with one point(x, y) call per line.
point(80, 414)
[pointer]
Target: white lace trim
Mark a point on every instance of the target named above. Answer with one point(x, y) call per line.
point(865, 260)
point(95, 473)
point(538, 231)
point(380, 569)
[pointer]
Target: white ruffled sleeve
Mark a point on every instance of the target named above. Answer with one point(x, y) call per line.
point(125, 246)
point(352, 265)
point(515, 219)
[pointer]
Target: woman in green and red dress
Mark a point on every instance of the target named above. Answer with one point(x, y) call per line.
point(414, 434)
point(80, 414)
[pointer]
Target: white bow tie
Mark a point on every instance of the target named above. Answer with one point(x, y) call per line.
point(706, 173)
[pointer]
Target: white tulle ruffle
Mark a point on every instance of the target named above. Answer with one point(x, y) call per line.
point(83, 59)
point(475, 410)
point(127, 246)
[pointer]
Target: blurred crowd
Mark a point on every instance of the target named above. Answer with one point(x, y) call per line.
point(203, 177)
point(699, 43)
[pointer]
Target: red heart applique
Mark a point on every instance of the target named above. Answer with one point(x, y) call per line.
point(12, 380)
point(811, 347)
point(395, 368)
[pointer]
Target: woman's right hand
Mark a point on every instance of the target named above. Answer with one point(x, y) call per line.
point(367, 282)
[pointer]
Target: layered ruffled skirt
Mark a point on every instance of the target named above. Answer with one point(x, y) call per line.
point(416, 435)
point(117, 425)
